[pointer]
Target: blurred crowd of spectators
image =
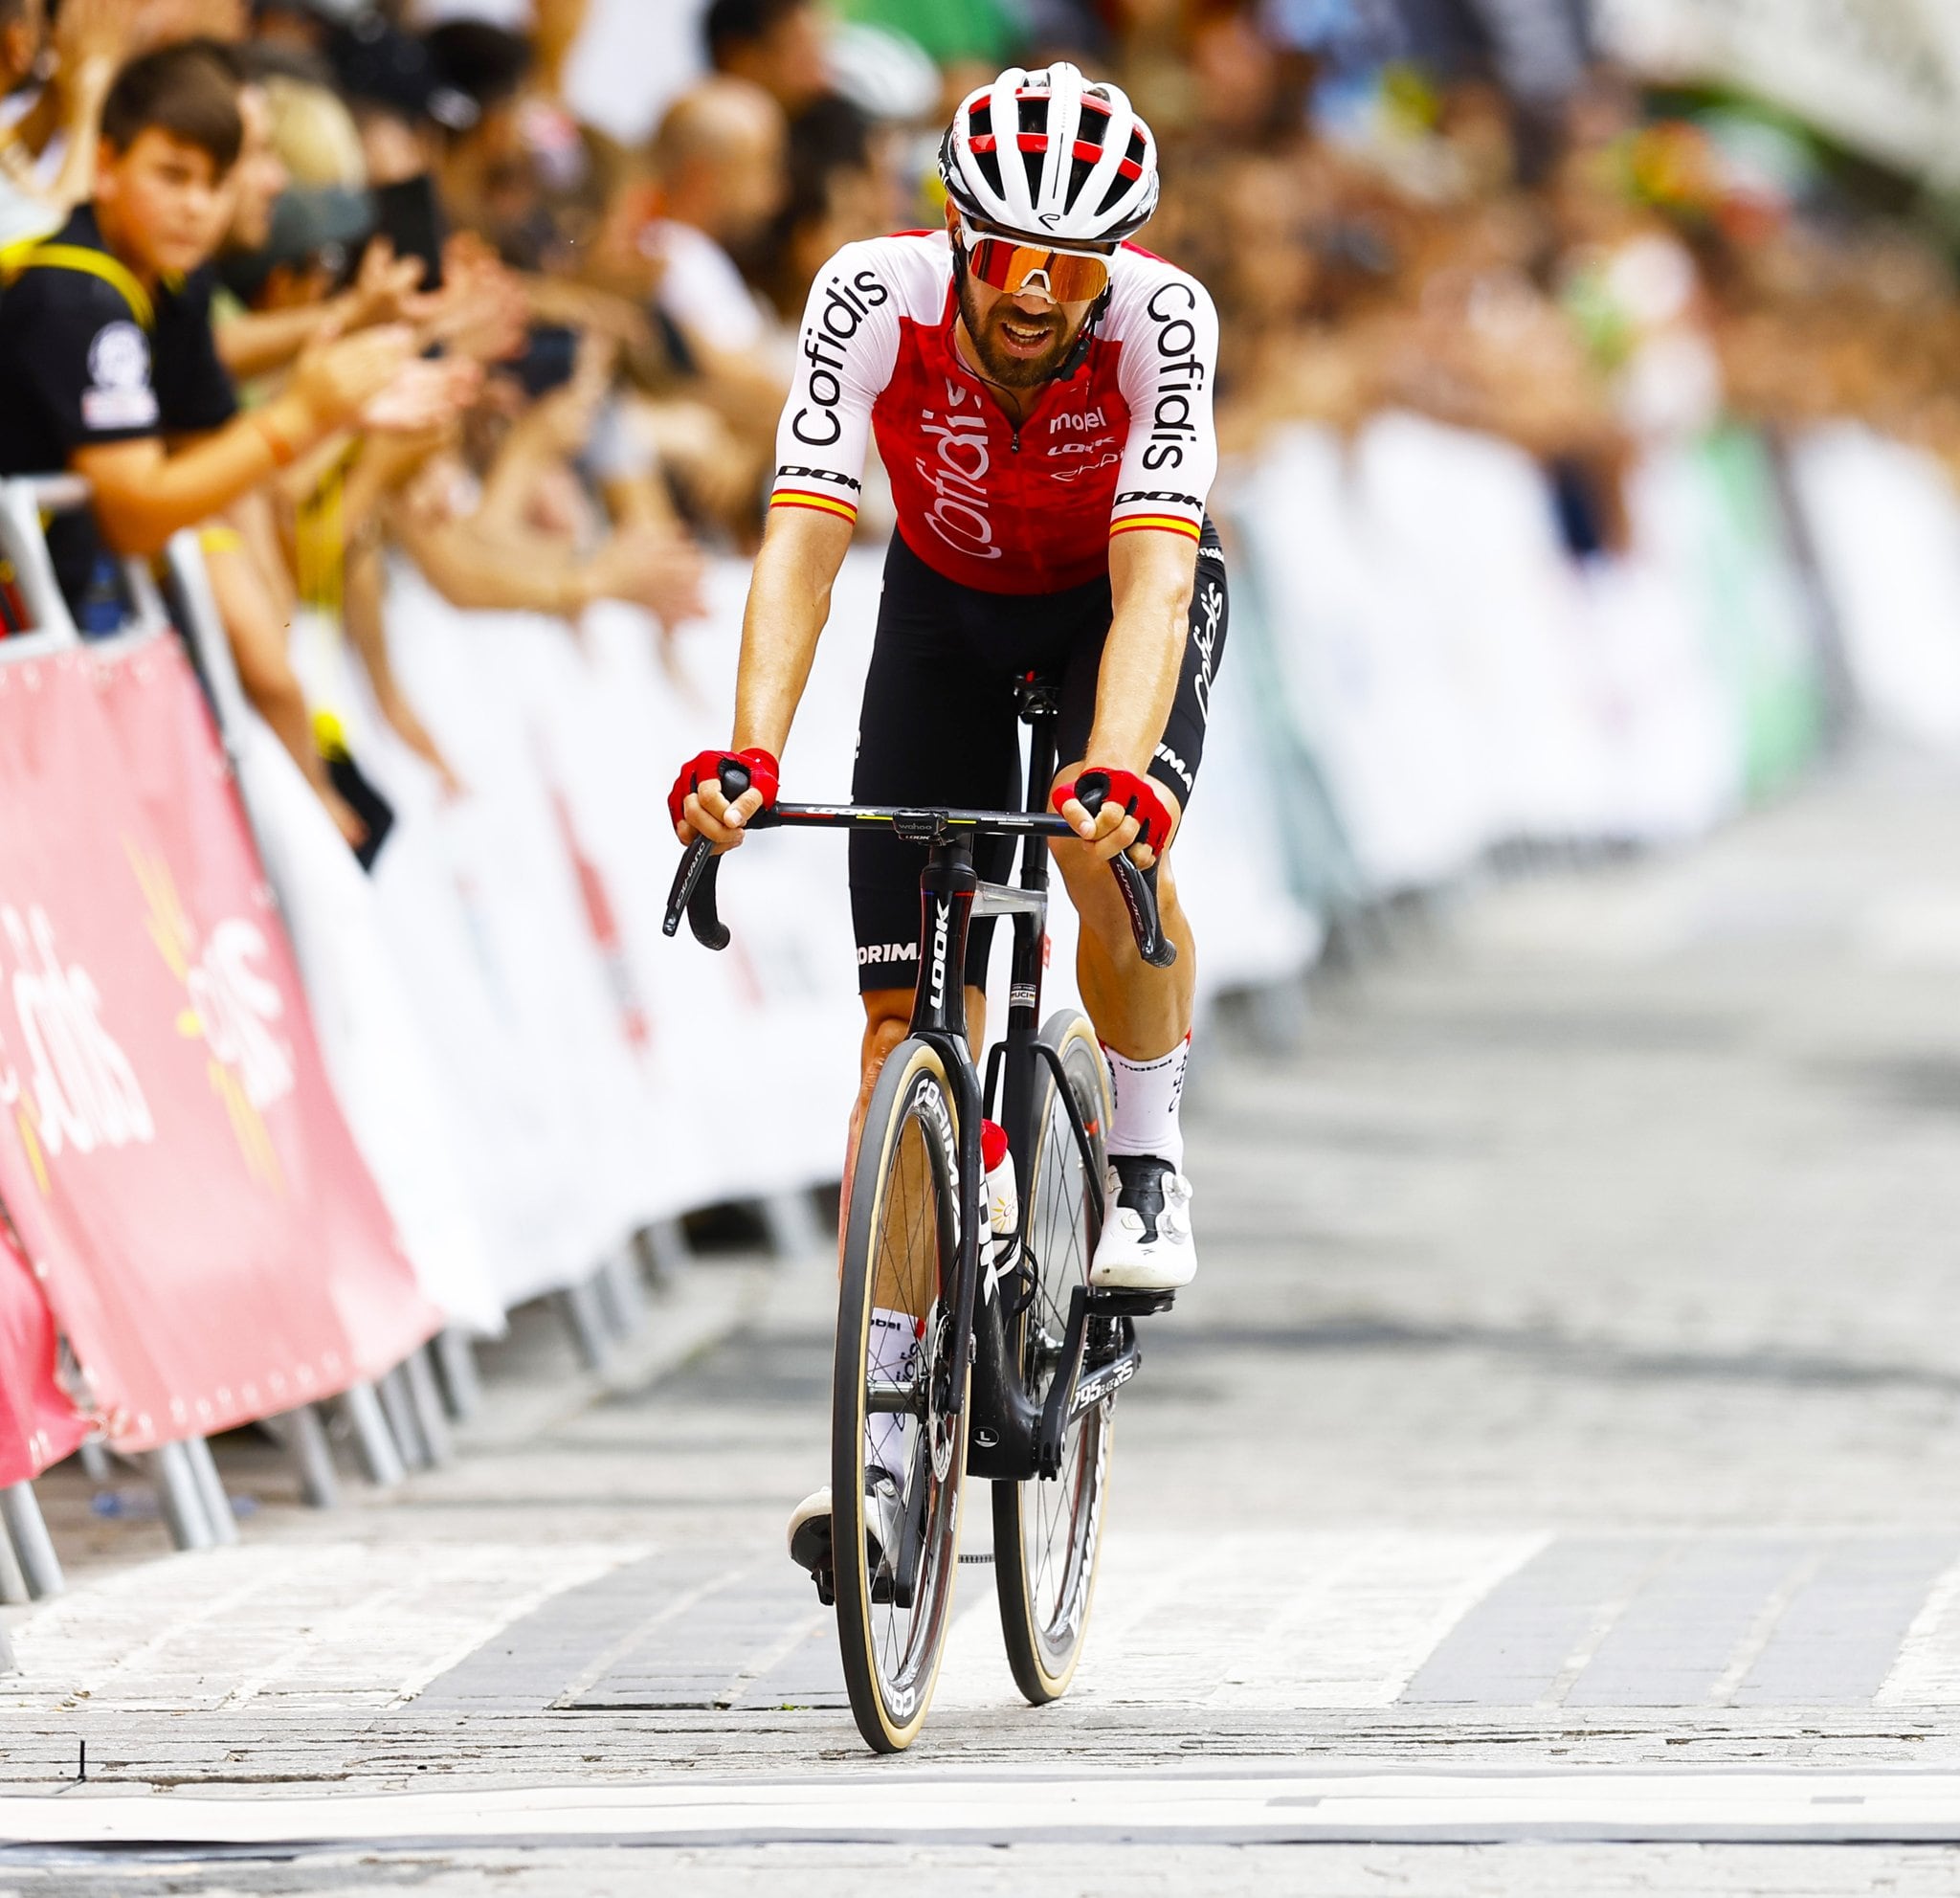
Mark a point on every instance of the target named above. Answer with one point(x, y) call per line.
point(592, 336)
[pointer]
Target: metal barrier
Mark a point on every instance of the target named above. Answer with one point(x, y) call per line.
point(403, 1421)
point(183, 1475)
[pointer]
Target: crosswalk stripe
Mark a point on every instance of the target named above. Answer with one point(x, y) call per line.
point(1255, 1621)
point(1926, 1672)
point(1258, 1620)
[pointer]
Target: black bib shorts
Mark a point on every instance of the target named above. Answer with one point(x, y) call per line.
point(939, 725)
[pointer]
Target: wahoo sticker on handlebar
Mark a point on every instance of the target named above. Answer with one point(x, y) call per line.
point(1139, 886)
point(694, 882)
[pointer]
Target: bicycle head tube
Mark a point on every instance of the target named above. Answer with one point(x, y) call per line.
point(946, 908)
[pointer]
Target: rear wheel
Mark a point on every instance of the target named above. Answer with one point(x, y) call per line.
point(1047, 1534)
point(901, 1254)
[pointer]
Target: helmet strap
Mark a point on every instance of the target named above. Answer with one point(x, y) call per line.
point(1064, 370)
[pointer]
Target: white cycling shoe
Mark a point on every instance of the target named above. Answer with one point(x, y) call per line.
point(810, 1523)
point(1147, 1243)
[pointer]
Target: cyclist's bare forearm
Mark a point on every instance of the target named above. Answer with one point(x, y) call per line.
point(1150, 579)
point(789, 601)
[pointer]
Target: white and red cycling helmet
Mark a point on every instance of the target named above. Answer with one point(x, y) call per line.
point(1051, 154)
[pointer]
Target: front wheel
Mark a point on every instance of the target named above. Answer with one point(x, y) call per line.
point(894, 1560)
point(1047, 1534)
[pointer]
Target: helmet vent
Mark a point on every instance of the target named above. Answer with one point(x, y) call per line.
point(1033, 144)
point(1118, 186)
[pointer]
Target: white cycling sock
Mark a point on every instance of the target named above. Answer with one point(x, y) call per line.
point(1146, 1096)
point(893, 1336)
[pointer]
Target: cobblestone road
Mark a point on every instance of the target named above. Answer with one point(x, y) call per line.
point(1571, 1385)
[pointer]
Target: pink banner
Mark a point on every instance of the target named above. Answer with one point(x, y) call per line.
point(180, 1175)
point(38, 1424)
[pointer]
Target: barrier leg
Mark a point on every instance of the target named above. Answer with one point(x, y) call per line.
point(579, 1306)
point(662, 1249)
point(8, 1663)
point(380, 1456)
point(400, 1408)
point(96, 1465)
point(14, 1589)
point(181, 1497)
point(40, 1566)
point(304, 1437)
point(431, 1420)
point(622, 1295)
point(455, 1357)
point(795, 1229)
point(211, 1485)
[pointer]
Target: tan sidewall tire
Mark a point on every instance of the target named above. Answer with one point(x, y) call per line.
point(1038, 1684)
point(884, 1124)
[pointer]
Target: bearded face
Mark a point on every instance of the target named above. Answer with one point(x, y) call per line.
point(1019, 341)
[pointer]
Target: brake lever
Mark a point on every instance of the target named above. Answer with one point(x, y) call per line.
point(1138, 888)
point(694, 882)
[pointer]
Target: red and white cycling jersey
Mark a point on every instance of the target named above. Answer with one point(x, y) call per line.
point(1125, 443)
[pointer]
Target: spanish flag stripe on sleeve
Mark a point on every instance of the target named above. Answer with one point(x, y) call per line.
point(1169, 524)
point(827, 504)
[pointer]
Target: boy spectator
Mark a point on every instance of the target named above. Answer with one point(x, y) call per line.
point(107, 364)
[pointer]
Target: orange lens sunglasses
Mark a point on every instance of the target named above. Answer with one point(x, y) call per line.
point(1068, 276)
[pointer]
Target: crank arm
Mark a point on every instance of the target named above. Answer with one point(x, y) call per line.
point(1058, 1411)
point(1109, 1378)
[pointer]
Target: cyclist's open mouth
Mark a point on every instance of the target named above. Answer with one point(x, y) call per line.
point(1027, 338)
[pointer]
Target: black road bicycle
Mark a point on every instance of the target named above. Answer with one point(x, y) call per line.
point(1018, 1359)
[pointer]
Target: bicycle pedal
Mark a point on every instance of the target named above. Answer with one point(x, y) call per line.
point(826, 1587)
point(1113, 1302)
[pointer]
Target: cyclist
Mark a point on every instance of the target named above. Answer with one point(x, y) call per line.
point(1041, 394)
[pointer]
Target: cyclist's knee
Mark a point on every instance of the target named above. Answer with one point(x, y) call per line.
point(887, 1016)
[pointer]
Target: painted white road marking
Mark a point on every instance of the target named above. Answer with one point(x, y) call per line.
point(1928, 1670)
point(368, 1623)
point(1318, 1620)
point(1730, 1806)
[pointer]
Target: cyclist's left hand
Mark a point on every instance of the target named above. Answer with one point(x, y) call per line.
point(1119, 825)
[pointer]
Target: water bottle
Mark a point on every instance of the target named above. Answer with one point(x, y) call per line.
point(1003, 1200)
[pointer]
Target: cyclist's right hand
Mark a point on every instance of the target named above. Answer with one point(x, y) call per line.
point(699, 807)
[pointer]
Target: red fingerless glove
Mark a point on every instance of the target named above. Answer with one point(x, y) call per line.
point(706, 767)
point(1136, 796)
